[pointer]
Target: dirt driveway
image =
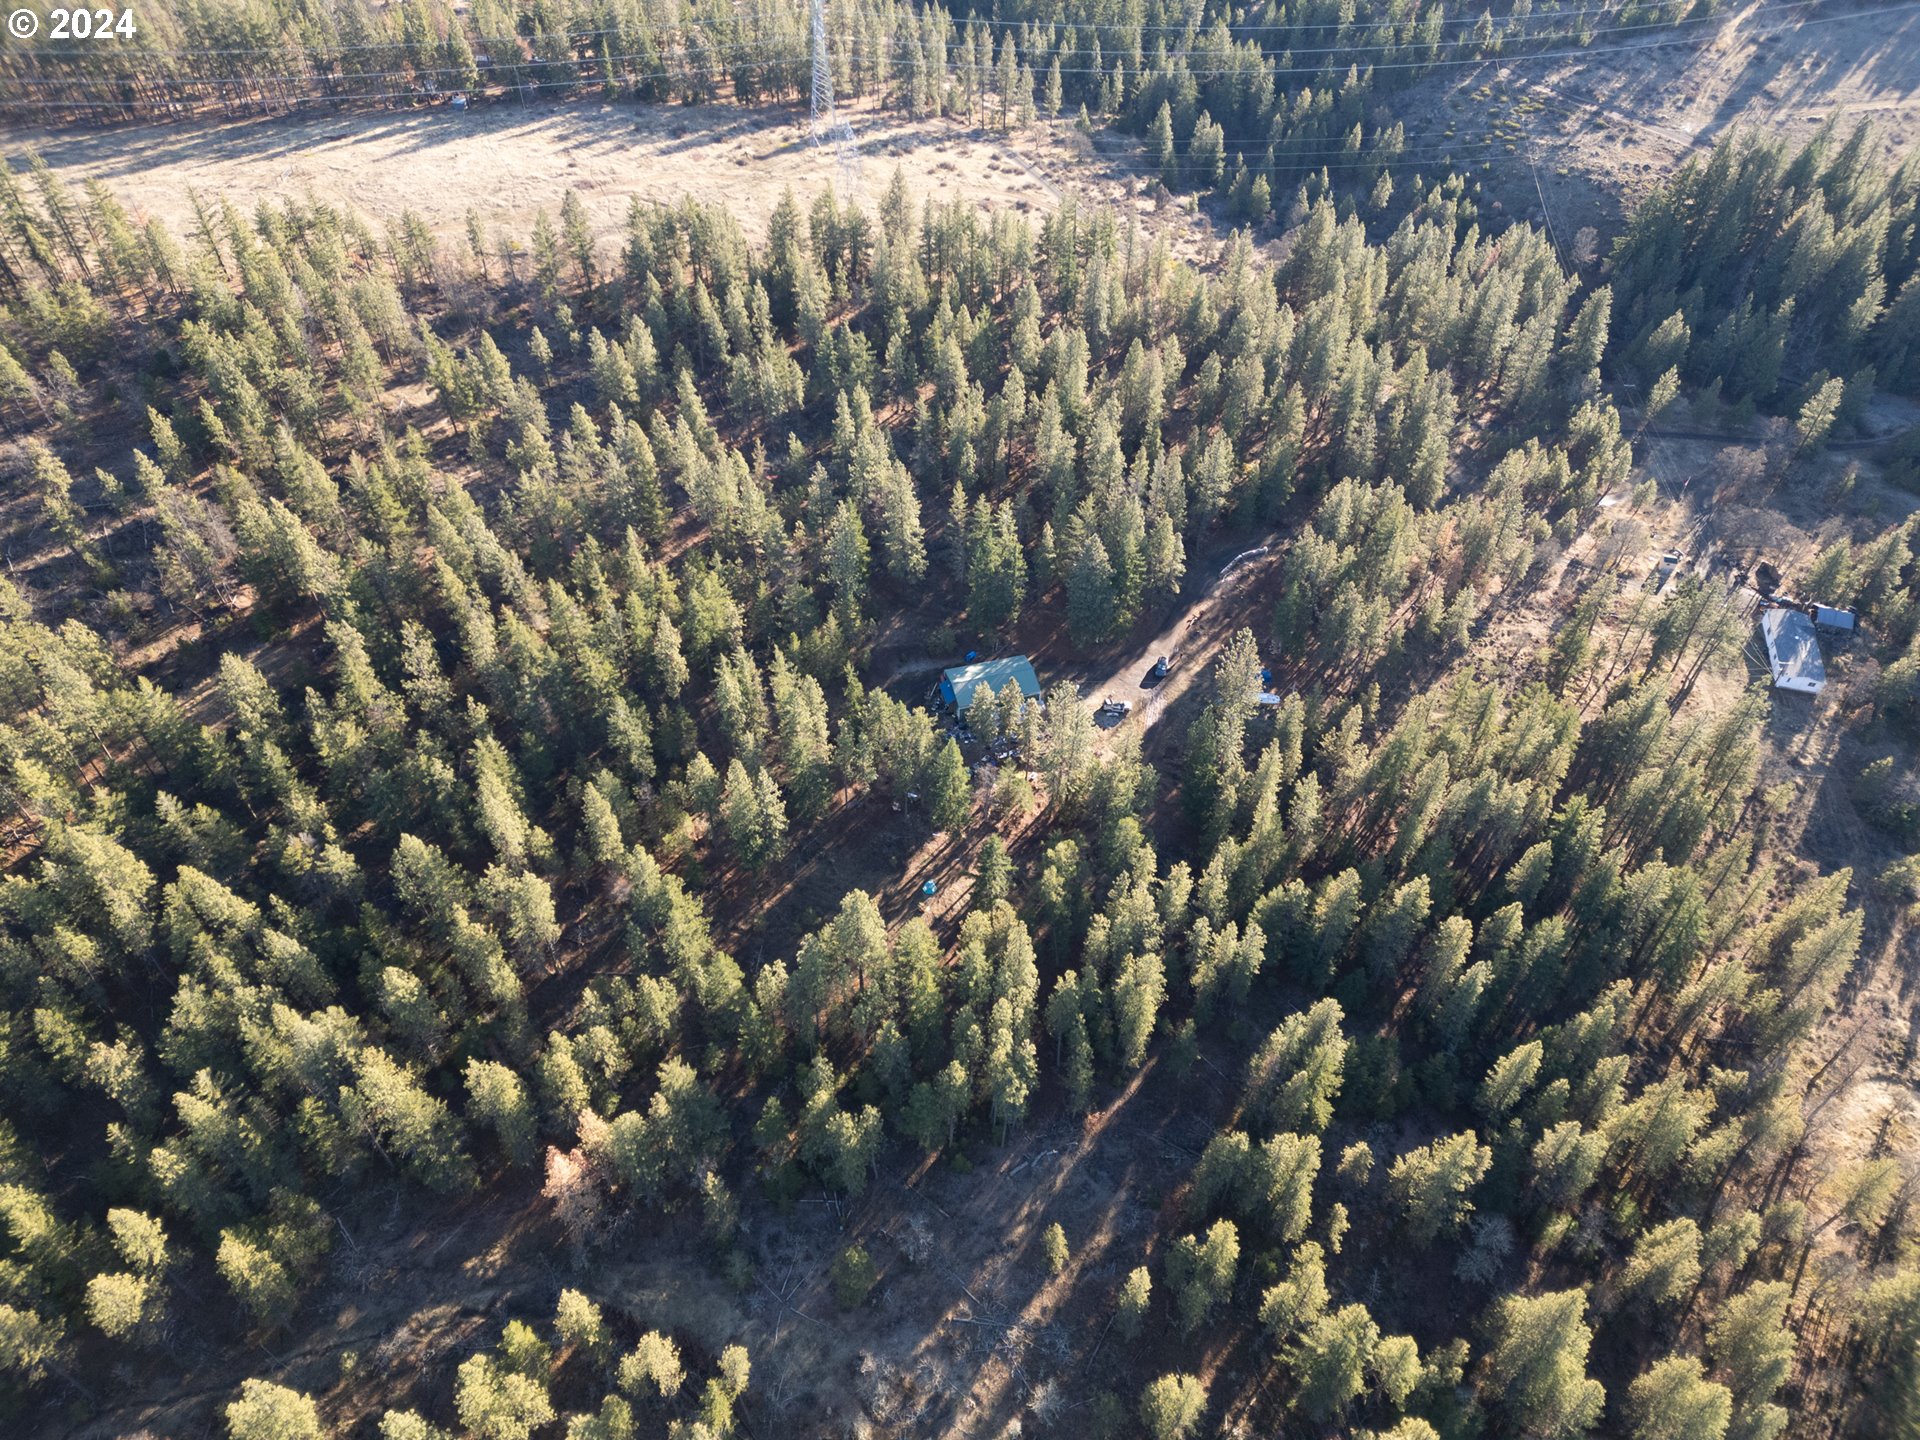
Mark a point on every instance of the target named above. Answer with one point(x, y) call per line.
point(1192, 641)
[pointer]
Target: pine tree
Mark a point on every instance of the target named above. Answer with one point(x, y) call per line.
point(579, 1323)
point(1053, 1248)
point(1160, 146)
point(652, 1368)
point(742, 821)
point(1431, 1184)
point(949, 788)
point(1200, 1272)
point(495, 1402)
point(1331, 1360)
point(1171, 1407)
point(1665, 1264)
point(993, 874)
point(847, 564)
point(1537, 1363)
point(1675, 1401)
point(1090, 594)
point(497, 1099)
point(1816, 418)
point(1294, 1078)
point(854, 1276)
point(1130, 1308)
point(1752, 1345)
point(265, 1411)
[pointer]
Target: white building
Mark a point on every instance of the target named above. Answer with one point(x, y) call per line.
point(1792, 651)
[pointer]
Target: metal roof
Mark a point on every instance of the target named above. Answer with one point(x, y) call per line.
point(1792, 651)
point(958, 684)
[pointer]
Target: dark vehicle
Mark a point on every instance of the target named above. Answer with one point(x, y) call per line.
point(1160, 668)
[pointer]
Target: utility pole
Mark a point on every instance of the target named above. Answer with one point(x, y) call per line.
point(828, 128)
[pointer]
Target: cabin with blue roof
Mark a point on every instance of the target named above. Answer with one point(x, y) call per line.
point(958, 684)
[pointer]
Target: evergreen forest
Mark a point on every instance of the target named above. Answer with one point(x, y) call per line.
point(446, 683)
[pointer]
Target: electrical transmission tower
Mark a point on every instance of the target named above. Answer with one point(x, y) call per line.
point(828, 128)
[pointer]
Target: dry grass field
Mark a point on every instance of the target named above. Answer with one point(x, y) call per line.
point(507, 161)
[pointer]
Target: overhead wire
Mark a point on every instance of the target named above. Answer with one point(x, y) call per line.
point(1693, 39)
point(324, 78)
point(1070, 25)
point(1357, 163)
point(1284, 147)
point(328, 79)
point(898, 40)
point(959, 28)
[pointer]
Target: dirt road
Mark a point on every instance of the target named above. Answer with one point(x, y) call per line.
point(1192, 640)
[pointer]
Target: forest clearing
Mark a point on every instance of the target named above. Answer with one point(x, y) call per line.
point(506, 163)
point(1594, 133)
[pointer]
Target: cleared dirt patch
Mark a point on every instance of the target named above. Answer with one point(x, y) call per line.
point(1605, 128)
point(508, 161)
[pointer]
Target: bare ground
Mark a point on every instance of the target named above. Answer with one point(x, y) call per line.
point(1596, 130)
point(507, 161)
point(959, 1338)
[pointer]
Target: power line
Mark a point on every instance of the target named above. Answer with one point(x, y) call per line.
point(639, 28)
point(1546, 212)
point(797, 46)
point(1583, 54)
point(1282, 146)
point(826, 125)
point(896, 39)
point(278, 82)
point(265, 81)
point(1286, 149)
point(1419, 145)
point(1141, 168)
point(1071, 26)
point(1581, 34)
point(956, 28)
point(1284, 160)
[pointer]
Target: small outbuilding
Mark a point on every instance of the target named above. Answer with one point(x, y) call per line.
point(958, 684)
point(1831, 617)
point(1793, 654)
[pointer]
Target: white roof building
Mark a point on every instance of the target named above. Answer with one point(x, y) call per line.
point(1792, 652)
